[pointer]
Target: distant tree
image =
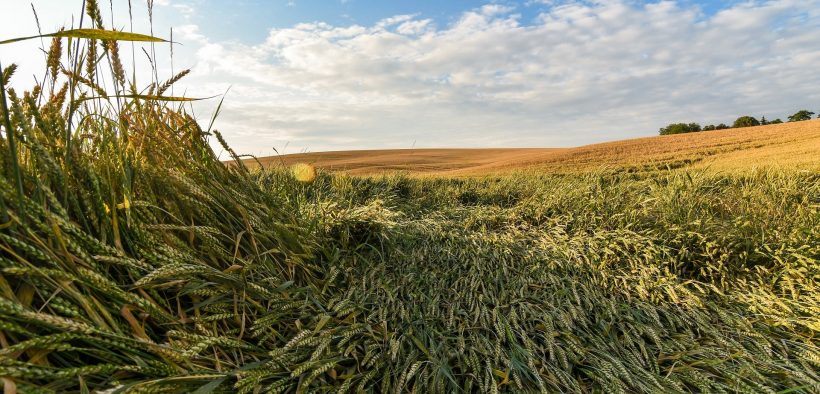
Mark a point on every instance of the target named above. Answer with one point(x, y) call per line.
point(776, 121)
point(746, 121)
point(801, 115)
point(680, 128)
point(722, 126)
point(763, 121)
point(709, 127)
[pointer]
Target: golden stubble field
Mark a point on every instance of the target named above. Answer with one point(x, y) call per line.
point(788, 145)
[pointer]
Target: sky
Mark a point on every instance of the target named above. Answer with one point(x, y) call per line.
point(313, 75)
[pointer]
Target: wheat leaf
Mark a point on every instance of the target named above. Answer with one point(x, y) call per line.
point(96, 34)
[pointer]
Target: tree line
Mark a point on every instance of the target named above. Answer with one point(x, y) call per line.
point(743, 121)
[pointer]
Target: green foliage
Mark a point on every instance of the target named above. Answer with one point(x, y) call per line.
point(680, 128)
point(715, 127)
point(776, 121)
point(746, 121)
point(801, 115)
point(138, 262)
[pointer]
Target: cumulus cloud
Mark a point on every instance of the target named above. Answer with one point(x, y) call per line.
point(579, 72)
point(582, 72)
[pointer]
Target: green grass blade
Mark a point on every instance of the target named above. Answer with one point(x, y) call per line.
point(147, 97)
point(96, 34)
point(216, 113)
point(15, 166)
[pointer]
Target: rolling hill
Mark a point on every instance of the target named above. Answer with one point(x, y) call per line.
point(795, 145)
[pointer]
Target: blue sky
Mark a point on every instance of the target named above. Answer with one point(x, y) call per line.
point(247, 19)
point(310, 75)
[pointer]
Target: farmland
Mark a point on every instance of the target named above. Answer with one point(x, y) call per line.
point(134, 260)
point(788, 145)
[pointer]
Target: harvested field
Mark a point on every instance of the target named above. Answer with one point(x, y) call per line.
point(793, 145)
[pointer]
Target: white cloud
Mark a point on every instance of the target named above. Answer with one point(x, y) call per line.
point(185, 9)
point(495, 9)
point(582, 72)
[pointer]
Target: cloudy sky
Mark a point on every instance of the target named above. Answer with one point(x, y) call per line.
point(311, 75)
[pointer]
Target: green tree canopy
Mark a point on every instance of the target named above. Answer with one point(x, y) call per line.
point(746, 121)
point(801, 115)
point(680, 128)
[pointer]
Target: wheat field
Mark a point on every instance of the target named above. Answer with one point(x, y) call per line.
point(787, 145)
point(133, 260)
